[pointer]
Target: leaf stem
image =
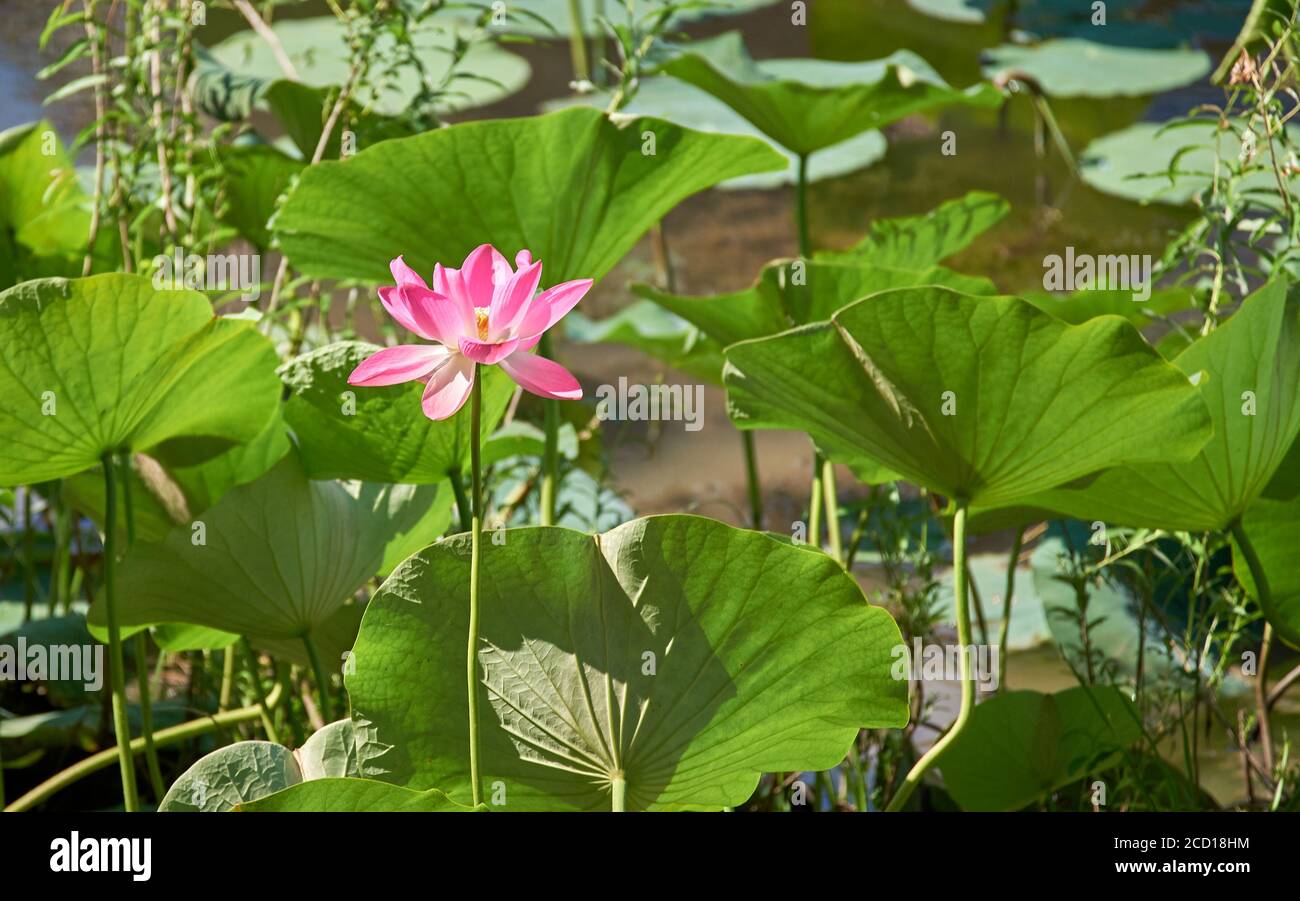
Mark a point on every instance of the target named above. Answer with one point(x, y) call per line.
point(462, 501)
point(832, 511)
point(322, 678)
point(551, 450)
point(751, 478)
point(922, 766)
point(578, 42)
point(1005, 629)
point(801, 208)
point(815, 504)
point(618, 788)
point(1264, 595)
point(116, 666)
point(476, 552)
point(141, 649)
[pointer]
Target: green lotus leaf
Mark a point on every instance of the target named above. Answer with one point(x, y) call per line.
point(1079, 306)
point(575, 187)
point(792, 292)
point(42, 207)
point(676, 101)
point(377, 434)
point(805, 105)
point(919, 242)
point(108, 363)
point(1249, 363)
point(244, 771)
point(1021, 745)
point(1273, 528)
point(319, 50)
point(982, 399)
point(254, 178)
point(681, 653)
point(248, 771)
point(1074, 67)
point(353, 796)
point(279, 556)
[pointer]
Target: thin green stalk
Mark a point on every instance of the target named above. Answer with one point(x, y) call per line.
point(832, 510)
point(29, 562)
point(859, 532)
point(164, 738)
point(751, 477)
point(322, 679)
point(815, 504)
point(61, 574)
point(258, 692)
point(919, 769)
point(227, 678)
point(462, 502)
point(141, 649)
point(551, 449)
point(801, 208)
point(1006, 608)
point(116, 664)
point(1264, 594)
point(476, 552)
point(618, 790)
point(578, 43)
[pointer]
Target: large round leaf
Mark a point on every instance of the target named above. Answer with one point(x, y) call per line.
point(574, 186)
point(805, 105)
point(377, 434)
point(281, 555)
point(553, 19)
point(1250, 381)
point(1021, 745)
point(983, 399)
point(676, 101)
point(684, 654)
point(108, 363)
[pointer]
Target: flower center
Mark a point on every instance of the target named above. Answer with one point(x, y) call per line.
point(481, 320)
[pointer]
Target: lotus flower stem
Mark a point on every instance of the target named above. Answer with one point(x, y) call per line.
point(832, 511)
point(259, 693)
point(1005, 629)
point(476, 552)
point(922, 766)
point(1264, 595)
point(751, 478)
point(141, 649)
point(551, 449)
point(116, 666)
point(322, 678)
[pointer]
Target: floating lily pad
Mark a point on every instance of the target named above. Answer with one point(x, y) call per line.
point(1073, 67)
point(675, 652)
point(318, 49)
point(553, 19)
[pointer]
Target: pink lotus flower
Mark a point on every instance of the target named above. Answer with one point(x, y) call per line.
point(485, 312)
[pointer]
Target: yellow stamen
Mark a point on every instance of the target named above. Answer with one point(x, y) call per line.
point(481, 320)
